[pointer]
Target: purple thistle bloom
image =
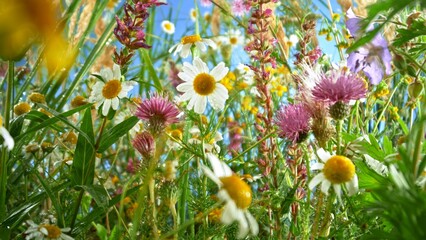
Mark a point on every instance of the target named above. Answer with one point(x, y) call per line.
point(158, 112)
point(339, 86)
point(145, 144)
point(373, 58)
point(293, 122)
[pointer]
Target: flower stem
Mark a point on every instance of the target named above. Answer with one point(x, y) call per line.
point(320, 200)
point(325, 228)
point(4, 233)
point(339, 135)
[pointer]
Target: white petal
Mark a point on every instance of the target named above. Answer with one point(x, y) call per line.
point(106, 106)
point(185, 87)
point(254, 227)
point(8, 140)
point(352, 185)
point(210, 42)
point(200, 104)
point(186, 77)
point(220, 89)
point(187, 67)
point(323, 155)
point(44, 231)
point(219, 167)
point(201, 46)
point(317, 166)
point(220, 71)
point(217, 101)
point(192, 101)
point(325, 186)
point(200, 65)
point(338, 190)
point(316, 180)
point(116, 73)
point(224, 196)
point(114, 103)
point(106, 73)
point(211, 175)
point(173, 48)
point(243, 229)
point(186, 49)
point(229, 213)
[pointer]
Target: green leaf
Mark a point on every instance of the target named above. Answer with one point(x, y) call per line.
point(116, 132)
point(403, 126)
point(387, 145)
point(151, 69)
point(101, 231)
point(83, 164)
point(98, 193)
point(368, 178)
point(50, 121)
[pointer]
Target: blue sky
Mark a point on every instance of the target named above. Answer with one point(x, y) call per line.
point(178, 11)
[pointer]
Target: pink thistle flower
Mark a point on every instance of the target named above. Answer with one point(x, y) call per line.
point(132, 166)
point(206, 3)
point(239, 8)
point(339, 86)
point(158, 112)
point(145, 144)
point(293, 122)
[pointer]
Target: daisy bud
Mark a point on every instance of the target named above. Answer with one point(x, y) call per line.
point(21, 108)
point(36, 97)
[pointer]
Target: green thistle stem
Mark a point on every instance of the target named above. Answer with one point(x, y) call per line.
point(4, 233)
point(339, 135)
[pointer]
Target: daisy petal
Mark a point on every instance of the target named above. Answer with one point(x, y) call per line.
point(185, 87)
point(325, 186)
point(254, 227)
point(243, 229)
point(220, 71)
point(317, 166)
point(8, 140)
point(200, 65)
point(114, 103)
point(316, 180)
point(200, 104)
point(201, 46)
point(229, 212)
point(323, 155)
point(106, 106)
point(186, 49)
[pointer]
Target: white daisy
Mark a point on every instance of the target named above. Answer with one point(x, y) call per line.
point(209, 143)
point(233, 38)
point(168, 27)
point(236, 194)
point(335, 170)
point(201, 85)
point(184, 47)
point(46, 231)
point(109, 93)
point(8, 140)
point(246, 73)
point(193, 14)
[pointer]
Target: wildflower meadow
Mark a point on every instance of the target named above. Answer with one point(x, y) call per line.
point(212, 119)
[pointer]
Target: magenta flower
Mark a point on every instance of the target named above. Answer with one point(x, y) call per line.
point(339, 86)
point(206, 3)
point(239, 8)
point(158, 112)
point(293, 122)
point(374, 58)
point(145, 144)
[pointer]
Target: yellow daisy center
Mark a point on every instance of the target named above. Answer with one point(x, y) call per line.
point(191, 39)
point(1, 121)
point(176, 134)
point(21, 108)
point(238, 190)
point(233, 40)
point(111, 89)
point(52, 231)
point(204, 84)
point(168, 26)
point(339, 169)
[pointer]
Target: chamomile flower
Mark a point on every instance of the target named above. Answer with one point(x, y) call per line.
point(210, 142)
point(236, 194)
point(46, 231)
point(335, 170)
point(233, 38)
point(109, 93)
point(193, 14)
point(8, 140)
point(202, 85)
point(168, 27)
point(184, 47)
